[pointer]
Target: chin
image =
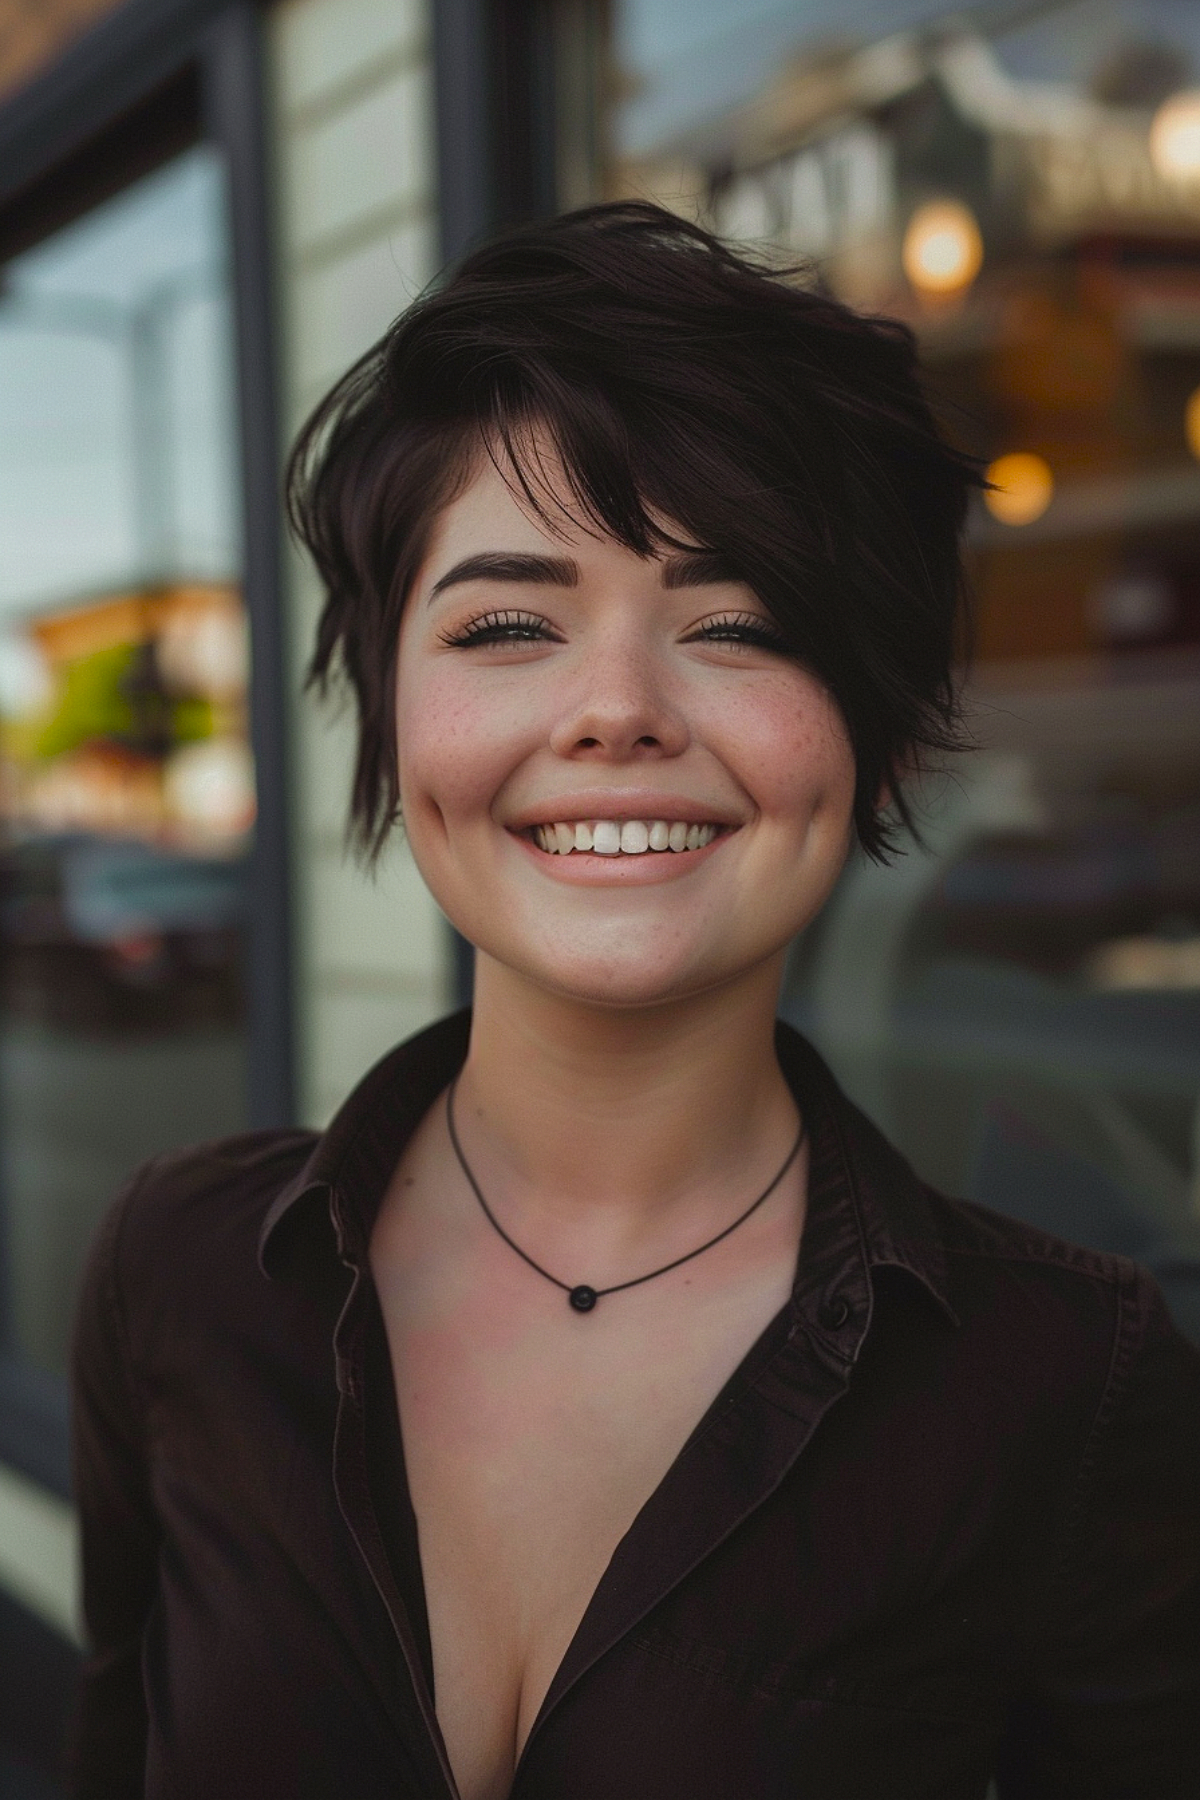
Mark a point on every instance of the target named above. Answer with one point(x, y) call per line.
point(619, 984)
point(621, 996)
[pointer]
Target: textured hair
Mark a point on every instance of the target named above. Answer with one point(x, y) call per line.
point(677, 380)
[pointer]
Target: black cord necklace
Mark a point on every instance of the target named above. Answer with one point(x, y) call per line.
point(582, 1297)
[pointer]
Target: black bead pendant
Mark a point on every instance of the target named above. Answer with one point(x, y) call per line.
point(582, 1298)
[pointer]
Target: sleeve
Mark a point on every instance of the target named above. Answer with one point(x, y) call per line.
point(1113, 1704)
point(118, 1530)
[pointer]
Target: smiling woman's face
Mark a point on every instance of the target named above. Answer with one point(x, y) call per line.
point(556, 678)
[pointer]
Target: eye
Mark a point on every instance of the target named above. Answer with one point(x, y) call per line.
point(503, 627)
point(746, 630)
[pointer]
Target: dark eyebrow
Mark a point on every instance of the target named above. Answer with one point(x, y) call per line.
point(496, 565)
point(696, 568)
point(692, 568)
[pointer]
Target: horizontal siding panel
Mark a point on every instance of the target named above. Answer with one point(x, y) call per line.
point(374, 157)
point(323, 45)
point(339, 310)
point(354, 1030)
point(386, 925)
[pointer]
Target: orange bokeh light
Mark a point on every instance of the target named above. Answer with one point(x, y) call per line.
point(1022, 487)
point(943, 250)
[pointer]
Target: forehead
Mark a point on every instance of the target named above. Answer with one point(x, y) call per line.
point(489, 513)
point(532, 510)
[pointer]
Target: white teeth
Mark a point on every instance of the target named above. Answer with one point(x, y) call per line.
point(633, 837)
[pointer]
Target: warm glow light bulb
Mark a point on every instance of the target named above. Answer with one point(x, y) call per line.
point(942, 250)
point(1175, 137)
point(1191, 422)
point(1022, 488)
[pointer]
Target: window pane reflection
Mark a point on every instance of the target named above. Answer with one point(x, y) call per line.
point(1019, 1002)
point(126, 784)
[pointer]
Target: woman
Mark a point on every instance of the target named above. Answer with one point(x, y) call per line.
point(600, 1406)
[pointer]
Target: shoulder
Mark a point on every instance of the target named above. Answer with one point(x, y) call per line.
point(186, 1218)
point(1061, 1387)
point(219, 1187)
point(1085, 1332)
point(977, 1240)
point(991, 1252)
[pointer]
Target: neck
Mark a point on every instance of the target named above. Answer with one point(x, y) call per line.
point(622, 1117)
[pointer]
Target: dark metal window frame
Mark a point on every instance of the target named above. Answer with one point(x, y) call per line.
point(496, 155)
point(141, 84)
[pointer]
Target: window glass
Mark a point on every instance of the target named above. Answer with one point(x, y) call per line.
point(1017, 1003)
point(126, 786)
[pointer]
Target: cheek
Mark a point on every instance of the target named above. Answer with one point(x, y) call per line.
point(796, 751)
point(454, 741)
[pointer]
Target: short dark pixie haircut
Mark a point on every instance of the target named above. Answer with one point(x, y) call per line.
point(677, 380)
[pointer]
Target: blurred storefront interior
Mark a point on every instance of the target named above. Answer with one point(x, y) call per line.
point(208, 208)
point(1021, 184)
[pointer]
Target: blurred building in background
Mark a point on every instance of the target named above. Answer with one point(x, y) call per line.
point(1022, 185)
point(208, 209)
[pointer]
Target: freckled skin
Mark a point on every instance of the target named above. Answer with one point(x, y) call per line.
point(619, 692)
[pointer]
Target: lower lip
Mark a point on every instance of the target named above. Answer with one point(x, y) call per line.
point(585, 869)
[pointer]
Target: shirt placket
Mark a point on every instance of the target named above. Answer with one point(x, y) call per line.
point(352, 1485)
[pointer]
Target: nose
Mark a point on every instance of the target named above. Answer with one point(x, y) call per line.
point(619, 708)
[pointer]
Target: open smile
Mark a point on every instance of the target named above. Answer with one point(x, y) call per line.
point(609, 862)
point(622, 837)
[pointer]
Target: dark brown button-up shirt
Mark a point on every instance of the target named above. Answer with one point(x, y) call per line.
point(941, 1527)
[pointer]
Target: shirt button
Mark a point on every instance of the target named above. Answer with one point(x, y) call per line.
point(834, 1312)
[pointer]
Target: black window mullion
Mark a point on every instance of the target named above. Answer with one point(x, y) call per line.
point(233, 92)
point(496, 158)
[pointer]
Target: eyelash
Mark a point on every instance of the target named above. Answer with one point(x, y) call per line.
point(744, 629)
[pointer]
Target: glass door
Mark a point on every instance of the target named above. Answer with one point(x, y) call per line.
point(127, 791)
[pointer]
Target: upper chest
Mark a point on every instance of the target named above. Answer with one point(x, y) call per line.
point(510, 1401)
point(533, 1436)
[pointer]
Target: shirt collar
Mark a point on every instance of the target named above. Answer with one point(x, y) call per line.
point(867, 1207)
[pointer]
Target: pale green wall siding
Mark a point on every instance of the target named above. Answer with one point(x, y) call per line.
point(353, 133)
point(39, 1552)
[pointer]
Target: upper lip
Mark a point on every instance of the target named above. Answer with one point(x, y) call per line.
point(609, 803)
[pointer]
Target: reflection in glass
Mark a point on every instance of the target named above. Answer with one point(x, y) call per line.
point(126, 782)
point(1018, 1002)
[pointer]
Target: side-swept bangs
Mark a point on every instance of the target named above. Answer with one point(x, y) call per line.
point(677, 381)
